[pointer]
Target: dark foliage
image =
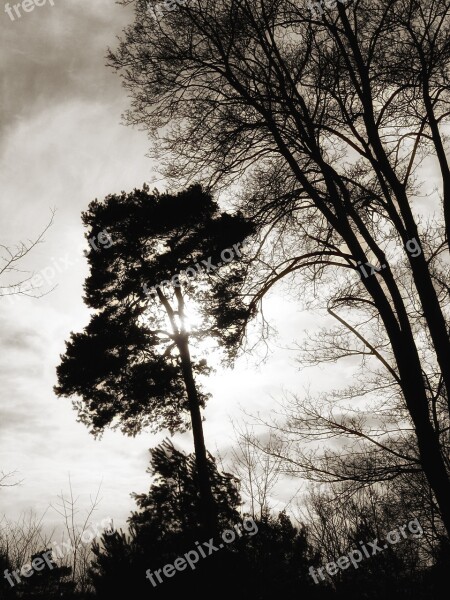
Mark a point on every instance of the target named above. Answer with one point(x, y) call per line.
point(123, 365)
point(50, 583)
point(168, 523)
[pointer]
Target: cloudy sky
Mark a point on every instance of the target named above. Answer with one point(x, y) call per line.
point(63, 145)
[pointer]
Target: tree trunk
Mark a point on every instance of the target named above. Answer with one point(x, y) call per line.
point(206, 497)
point(431, 458)
point(181, 338)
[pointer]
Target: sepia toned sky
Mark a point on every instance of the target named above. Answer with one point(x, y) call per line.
point(62, 145)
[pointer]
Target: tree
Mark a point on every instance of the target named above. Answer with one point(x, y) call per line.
point(258, 470)
point(132, 365)
point(337, 523)
point(50, 582)
point(77, 559)
point(167, 524)
point(326, 117)
point(6, 590)
point(173, 501)
point(23, 538)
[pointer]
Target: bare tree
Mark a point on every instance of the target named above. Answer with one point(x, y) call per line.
point(80, 555)
point(19, 541)
point(258, 470)
point(337, 524)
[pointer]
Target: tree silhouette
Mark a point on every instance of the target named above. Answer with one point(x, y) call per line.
point(6, 590)
point(325, 116)
point(132, 365)
point(173, 501)
point(47, 581)
point(167, 524)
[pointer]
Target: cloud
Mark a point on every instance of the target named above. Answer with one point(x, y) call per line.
point(55, 54)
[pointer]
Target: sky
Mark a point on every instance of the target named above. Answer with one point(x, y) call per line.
point(63, 145)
